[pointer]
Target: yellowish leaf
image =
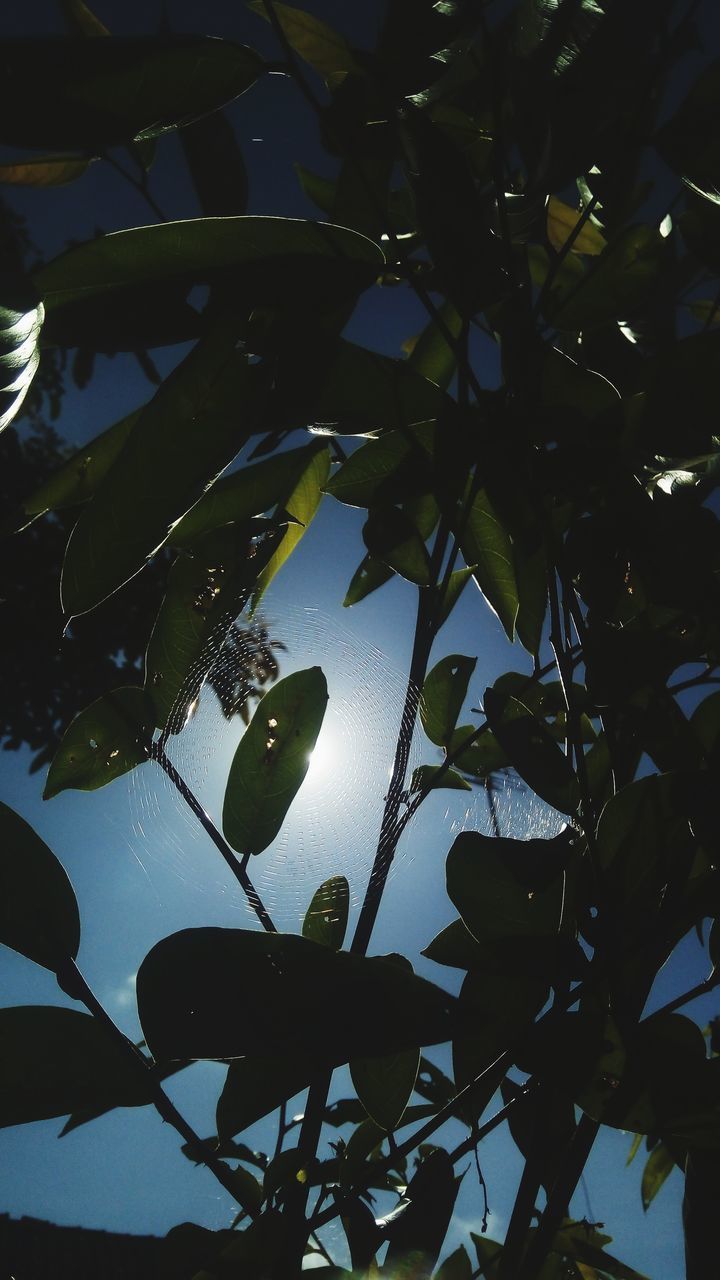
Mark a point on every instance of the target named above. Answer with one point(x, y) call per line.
point(83, 19)
point(44, 171)
point(707, 311)
point(322, 48)
point(561, 222)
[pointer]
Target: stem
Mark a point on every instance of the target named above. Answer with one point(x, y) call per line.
point(700, 989)
point(74, 983)
point(560, 1197)
point(139, 185)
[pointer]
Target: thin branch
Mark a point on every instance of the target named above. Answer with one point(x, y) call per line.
point(140, 185)
point(560, 1197)
point(700, 989)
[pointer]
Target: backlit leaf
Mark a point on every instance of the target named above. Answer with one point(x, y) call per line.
point(391, 537)
point(78, 479)
point(44, 171)
point(326, 917)
point(431, 354)
point(301, 503)
point(104, 741)
point(38, 912)
point(21, 319)
point(272, 759)
point(561, 221)
point(487, 550)
point(369, 575)
point(293, 997)
point(324, 49)
point(384, 1085)
point(428, 776)
point(532, 751)
point(443, 695)
point(658, 1167)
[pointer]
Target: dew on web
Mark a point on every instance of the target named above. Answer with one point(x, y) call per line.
point(333, 825)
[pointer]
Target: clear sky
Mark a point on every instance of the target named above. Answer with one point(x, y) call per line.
point(140, 868)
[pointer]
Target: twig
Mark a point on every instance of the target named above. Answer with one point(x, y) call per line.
point(700, 989)
point(139, 185)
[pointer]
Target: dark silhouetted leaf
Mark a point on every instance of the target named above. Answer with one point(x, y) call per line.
point(455, 946)
point(53, 1061)
point(38, 912)
point(385, 1085)
point(457, 1267)
point(324, 49)
point(390, 536)
point(78, 479)
point(107, 739)
point(294, 997)
point(327, 916)
point(443, 695)
point(272, 759)
point(532, 751)
point(416, 1235)
point(397, 465)
point(493, 900)
point(256, 1086)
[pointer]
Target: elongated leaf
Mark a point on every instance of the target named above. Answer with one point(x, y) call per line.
point(385, 1085)
point(396, 466)
point(429, 776)
point(267, 260)
point(368, 577)
point(488, 552)
point(38, 912)
point(324, 49)
point(53, 1061)
point(418, 1232)
point(104, 741)
point(561, 222)
point(456, 1267)
point(246, 493)
point(294, 997)
point(443, 695)
point(78, 479)
point(44, 171)
point(255, 1086)
point(21, 319)
point(272, 759)
point(206, 591)
point(493, 900)
point(532, 751)
point(390, 536)
point(658, 1168)
point(176, 447)
point(327, 916)
point(431, 355)
point(301, 503)
point(91, 94)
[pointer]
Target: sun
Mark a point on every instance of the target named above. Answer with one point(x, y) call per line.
point(325, 758)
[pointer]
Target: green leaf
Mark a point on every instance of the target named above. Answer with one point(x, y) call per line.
point(206, 591)
point(455, 587)
point(621, 280)
point(44, 171)
point(327, 916)
point(456, 1267)
point(255, 1086)
point(431, 355)
point(91, 94)
point(657, 1168)
point(369, 575)
point(21, 319)
point(301, 503)
point(272, 759)
point(293, 997)
point(443, 695)
point(266, 260)
point(245, 493)
point(390, 536)
point(385, 1085)
point(54, 1061)
point(490, 881)
point(317, 44)
point(642, 836)
point(38, 912)
point(396, 466)
point(78, 479)
point(531, 751)
point(176, 447)
point(482, 758)
point(455, 946)
point(487, 550)
point(425, 777)
point(107, 739)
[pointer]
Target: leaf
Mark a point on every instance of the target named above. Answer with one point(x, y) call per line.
point(78, 479)
point(205, 593)
point(21, 319)
point(561, 221)
point(317, 44)
point(487, 550)
point(104, 741)
point(266, 260)
point(176, 447)
point(686, 143)
point(431, 356)
point(642, 836)
point(83, 20)
point(294, 997)
point(54, 1061)
point(455, 587)
point(488, 1255)
point(618, 282)
point(425, 777)
point(531, 750)
point(390, 536)
point(301, 503)
point(255, 1086)
point(248, 492)
point(327, 916)
point(385, 1085)
point(92, 94)
point(369, 575)
point(456, 1267)
point(396, 466)
point(658, 1167)
point(416, 1235)
point(455, 946)
point(272, 759)
point(482, 757)
point(38, 911)
point(443, 695)
point(495, 902)
point(44, 171)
